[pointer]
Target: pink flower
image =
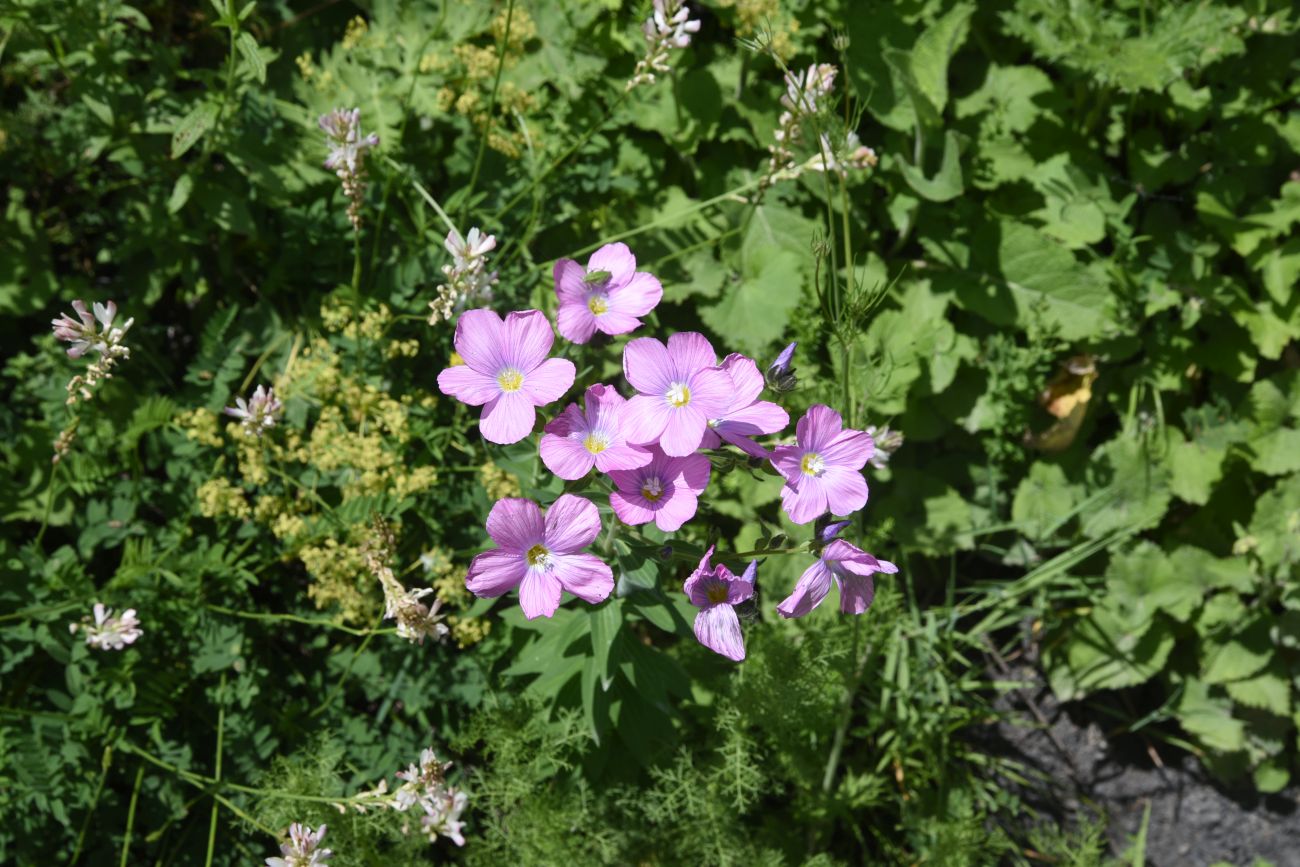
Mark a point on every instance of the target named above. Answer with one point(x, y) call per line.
point(540, 556)
point(850, 567)
point(823, 469)
point(680, 388)
point(748, 416)
point(575, 441)
point(507, 370)
point(665, 491)
point(608, 295)
point(715, 591)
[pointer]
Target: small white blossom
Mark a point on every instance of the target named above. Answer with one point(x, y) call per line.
point(303, 848)
point(669, 27)
point(347, 155)
point(426, 786)
point(467, 278)
point(108, 632)
point(886, 443)
point(86, 333)
point(806, 93)
point(415, 620)
point(258, 413)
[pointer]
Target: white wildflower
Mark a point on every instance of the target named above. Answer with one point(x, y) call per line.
point(415, 620)
point(258, 413)
point(669, 27)
point(886, 443)
point(467, 277)
point(92, 332)
point(108, 632)
point(347, 155)
point(806, 94)
point(303, 848)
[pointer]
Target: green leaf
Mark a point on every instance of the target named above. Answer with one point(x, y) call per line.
point(1270, 691)
point(252, 56)
point(192, 127)
point(946, 185)
point(928, 61)
point(1271, 776)
point(1091, 657)
point(1209, 719)
point(1043, 499)
point(180, 193)
point(606, 620)
point(1194, 468)
point(1238, 658)
point(1039, 271)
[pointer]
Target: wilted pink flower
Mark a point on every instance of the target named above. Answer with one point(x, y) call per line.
point(849, 567)
point(540, 556)
point(507, 370)
point(109, 632)
point(577, 440)
point(824, 469)
point(608, 295)
point(665, 491)
point(258, 413)
point(680, 387)
point(715, 591)
point(747, 416)
point(303, 848)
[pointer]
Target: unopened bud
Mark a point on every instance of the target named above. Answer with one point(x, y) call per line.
point(780, 374)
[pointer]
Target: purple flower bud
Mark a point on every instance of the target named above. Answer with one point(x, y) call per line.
point(780, 374)
point(830, 531)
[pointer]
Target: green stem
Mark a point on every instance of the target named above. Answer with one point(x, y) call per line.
point(32, 612)
point(846, 714)
point(105, 764)
point(294, 618)
point(221, 737)
point(130, 815)
point(49, 504)
point(492, 105)
point(338, 686)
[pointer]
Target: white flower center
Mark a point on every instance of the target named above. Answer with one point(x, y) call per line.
point(598, 304)
point(812, 464)
point(538, 556)
point(510, 379)
point(652, 489)
point(596, 442)
point(679, 394)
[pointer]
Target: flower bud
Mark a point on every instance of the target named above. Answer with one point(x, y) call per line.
point(780, 374)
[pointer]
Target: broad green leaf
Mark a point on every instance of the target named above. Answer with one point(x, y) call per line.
point(947, 182)
point(1239, 657)
point(180, 193)
point(929, 58)
point(1194, 468)
point(1209, 718)
point(1090, 657)
point(192, 127)
point(606, 620)
point(1270, 691)
point(1146, 581)
point(1135, 483)
point(1039, 271)
point(1042, 500)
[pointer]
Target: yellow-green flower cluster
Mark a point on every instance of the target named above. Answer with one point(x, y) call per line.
point(448, 582)
point(218, 498)
point(200, 425)
point(498, 483)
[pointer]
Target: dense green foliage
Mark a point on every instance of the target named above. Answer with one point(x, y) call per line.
point(1069, 282)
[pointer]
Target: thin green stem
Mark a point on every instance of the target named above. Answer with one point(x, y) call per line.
point(846, 713)
point(492, 105)
point(130, 816)
point(294, 618)
point(338, 686)
point(32, 612)
point(105, 763)
point(221, 742)
point(49, 504)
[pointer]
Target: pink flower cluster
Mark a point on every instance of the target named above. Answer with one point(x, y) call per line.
point(649, 444)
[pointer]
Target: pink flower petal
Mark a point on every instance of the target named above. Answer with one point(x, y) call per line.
point(648, 367)
point(516, 524)
point(786, 461)
point(641, 295)
point(856, 593)
point(677, 506)
point(539, 593)
point(527, 339)
point(468, 385)
point(806, 503)
point(494, 573)
point(808, 593)
point(566, 457)
point(718, 628)
point(692, 471)
point(747, 382)
point(617, 259)
point(575, 321)
point(819, 425)
point(846, 490)
point(690, 351)
point(851, 449)
point(621, 458)
point(585, 576)
point(762, 417)
point(644, 418)
point(572, 523)
point(569, 286)
point(548, 381)
point(630, 507)
point(507, 418)
point(684, 431)
point(612, 322)
point(480, 336)
point(710, 392)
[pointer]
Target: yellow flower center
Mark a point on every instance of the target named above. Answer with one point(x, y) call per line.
point(716, 593)
point(595, 443)
point(538, 556)
point(679, 394)
point(652, 490)
point(812, 464)
point(510, 379)
point(598, 304)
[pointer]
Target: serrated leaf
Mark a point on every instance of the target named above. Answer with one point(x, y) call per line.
point(1238, 658)
point(1209, 719)
point(1270, 691)
point(252, 56)
point(1194, 468)
point(192, 127)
